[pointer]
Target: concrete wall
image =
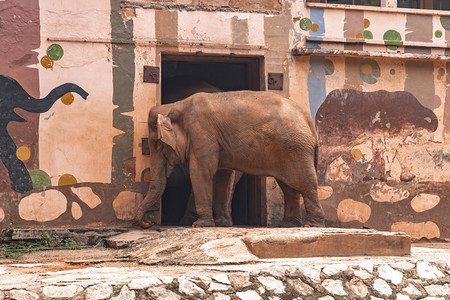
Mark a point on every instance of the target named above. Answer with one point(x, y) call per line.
point(384, 155)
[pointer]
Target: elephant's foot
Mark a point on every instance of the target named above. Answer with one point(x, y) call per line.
point(314, 222)
point(188, 219)
point(144, 221)
point(223, 221)
point(204, 222)
point(291, 222)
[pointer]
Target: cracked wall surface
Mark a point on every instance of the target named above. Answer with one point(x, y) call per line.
point(375, 81)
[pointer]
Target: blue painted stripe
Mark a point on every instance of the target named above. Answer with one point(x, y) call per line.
point(316, 16)
point(316, 83)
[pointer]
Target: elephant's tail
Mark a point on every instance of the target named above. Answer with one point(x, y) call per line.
point(316, 156)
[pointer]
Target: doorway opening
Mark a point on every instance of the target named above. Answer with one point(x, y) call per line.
point(183, 76)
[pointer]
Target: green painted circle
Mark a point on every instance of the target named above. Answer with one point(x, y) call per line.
point(368, 34)
point(392, 72)
point(445, 22)
point(55, 52)
point(329, 67)
point(39, 178)
point(372, 66)
point(438, 33)
point(305, 24)
point(392, 39)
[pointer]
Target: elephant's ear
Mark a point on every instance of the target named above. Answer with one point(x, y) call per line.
point(165, 131)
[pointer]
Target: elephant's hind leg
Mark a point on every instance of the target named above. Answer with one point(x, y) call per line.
point(223, 194)
point(292, 213)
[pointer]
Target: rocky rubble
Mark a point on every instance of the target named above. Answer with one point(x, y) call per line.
point(406, 278)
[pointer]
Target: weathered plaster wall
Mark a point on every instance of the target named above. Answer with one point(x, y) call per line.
point(384, 155)
point(378, 91)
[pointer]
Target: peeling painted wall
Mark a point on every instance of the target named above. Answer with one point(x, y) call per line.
point(376, 83)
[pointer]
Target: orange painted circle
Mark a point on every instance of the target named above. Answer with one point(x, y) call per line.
point(67, 99)
point(366, 23)
point(366, 69)
point(314, 27)
point(67, 179)
point(46, 62)
point(23, 153)
point(437, 101)
point(357, 154)
point(359, 36)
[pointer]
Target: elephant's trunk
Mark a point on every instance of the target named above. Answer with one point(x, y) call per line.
point(151, 202)
point(34, 105)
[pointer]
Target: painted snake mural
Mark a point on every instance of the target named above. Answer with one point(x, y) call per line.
point(12, 96)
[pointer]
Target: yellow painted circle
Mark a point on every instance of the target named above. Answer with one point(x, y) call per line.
point(314, 27)
point(366, 69)
point(67, 179)
point(23, 153)
point(357, 154)
point(366, 23)
point(67, 99)
point(46, 62)
point(359, 36)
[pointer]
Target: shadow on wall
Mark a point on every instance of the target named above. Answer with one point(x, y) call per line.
point(12, 96)
point(357, 128)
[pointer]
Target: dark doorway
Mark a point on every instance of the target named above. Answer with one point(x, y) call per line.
point(183, 76)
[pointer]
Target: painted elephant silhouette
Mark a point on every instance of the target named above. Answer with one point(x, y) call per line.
point(12, 96)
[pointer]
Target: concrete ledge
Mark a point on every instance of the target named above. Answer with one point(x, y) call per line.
point(329, 244)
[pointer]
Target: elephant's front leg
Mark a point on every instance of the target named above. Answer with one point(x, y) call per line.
point(202, 174)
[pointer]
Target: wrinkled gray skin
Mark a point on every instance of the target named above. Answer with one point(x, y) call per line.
point(179, 88)
point(258, 133)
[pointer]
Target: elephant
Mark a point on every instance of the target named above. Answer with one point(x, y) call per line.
point(258, 133)
point(12, 96)
point(175, 89)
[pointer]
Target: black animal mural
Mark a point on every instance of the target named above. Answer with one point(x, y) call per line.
point(12, 95)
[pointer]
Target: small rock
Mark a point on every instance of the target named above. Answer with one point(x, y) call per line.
point(358, 287)
point(2, 295)
point(272, 284)
point(218, 287)
point(312, 272)
point(433, 298)
point(220, 296)
point(332, 270)
point(68, 291)
point(334, 287)
point(166, 279)
point(275, 271)
point(403, 265)
point(162, 293)
point(22, 295)
point(367, 266)
point(375, 298)
point(143, 283)
point(239, 281)
point(427, 271)
point(382, 287)
point(189, 288)
point(125, 294)
point(326, 298)
point(222, 278)
point(203, 281)
point(261, 290)
point(98, 291)
point(438, 290)
point(300, 287)
point(387, 273)
point(248, 295)
point(362, 274)
point(402, 297)
point(412, 290)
